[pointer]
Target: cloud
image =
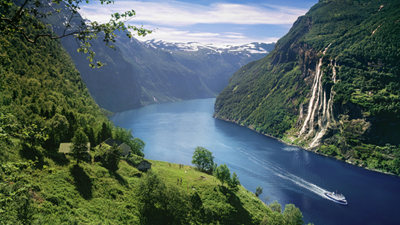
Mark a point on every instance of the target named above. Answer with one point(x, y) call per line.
point(177, 35)
point(174, 13)
point(174, 21)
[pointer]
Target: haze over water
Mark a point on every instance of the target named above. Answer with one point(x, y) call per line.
point(288, 174)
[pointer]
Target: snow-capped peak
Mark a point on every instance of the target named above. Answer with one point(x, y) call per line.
point(252, 48)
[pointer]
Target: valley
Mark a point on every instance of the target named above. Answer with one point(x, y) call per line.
point(331, 86)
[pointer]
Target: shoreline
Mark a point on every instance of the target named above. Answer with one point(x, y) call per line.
point(308, 149)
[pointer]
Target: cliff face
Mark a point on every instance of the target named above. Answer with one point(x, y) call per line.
point(330, 85)
point(114, 86)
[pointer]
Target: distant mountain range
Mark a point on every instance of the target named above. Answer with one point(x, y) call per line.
point(180, 71)
point(141, 73)
point(253, 48)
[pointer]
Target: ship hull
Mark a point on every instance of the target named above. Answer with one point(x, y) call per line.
point(339, 201)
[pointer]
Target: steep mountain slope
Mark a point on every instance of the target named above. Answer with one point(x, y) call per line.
point(331, 84)
point(113, 87)
point(169, 72)
point(138, 74)
point(42, 89)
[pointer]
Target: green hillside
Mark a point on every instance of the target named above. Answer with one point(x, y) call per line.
point(43, 102)
point(330, 85)
point(91, 194)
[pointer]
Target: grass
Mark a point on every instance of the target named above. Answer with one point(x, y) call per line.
point(88, 193)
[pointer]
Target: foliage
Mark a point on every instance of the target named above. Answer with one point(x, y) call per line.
point(292, 215)
point(105, 132)
point(79, 147)
point(133, 159)
point(7, 126)
point(33, 135)
point(259, 191)
point(15, 202)
point(34, 14)
point(275, 207)
point(41, 88)
point(203, 159)
point(124, 135)
point(222, 173)
point(43, 100)
point(234, 181)
point(159, 203)
point(110, 159)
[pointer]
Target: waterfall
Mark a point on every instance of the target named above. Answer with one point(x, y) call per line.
point(319, 114)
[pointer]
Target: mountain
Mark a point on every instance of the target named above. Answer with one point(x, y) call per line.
point(138, 74)
point(255, 47)
point(181, 71)
point(331, 85)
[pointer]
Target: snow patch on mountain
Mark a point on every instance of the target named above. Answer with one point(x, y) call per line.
point(252, 48)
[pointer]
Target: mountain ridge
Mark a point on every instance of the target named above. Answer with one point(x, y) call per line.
point(254, 47)
point(137, 74)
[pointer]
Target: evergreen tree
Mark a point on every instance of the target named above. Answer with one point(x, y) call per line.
point(112, 157)
point(79, 150)
point(90, 134)
point(105, 133)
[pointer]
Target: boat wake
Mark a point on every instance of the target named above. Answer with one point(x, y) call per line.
point(284, 174)
point(290, 149)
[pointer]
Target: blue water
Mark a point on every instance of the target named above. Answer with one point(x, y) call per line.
point(288, 174)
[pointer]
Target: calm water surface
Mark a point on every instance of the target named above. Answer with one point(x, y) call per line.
point(288, 174)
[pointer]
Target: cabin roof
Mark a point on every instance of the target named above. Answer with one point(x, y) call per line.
point(66, 147)
point(111, 142)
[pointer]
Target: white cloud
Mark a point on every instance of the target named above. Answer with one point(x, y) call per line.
point(176, 35)
point(174, 20)
point(174, 13)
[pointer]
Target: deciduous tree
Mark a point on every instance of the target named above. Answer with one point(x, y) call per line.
point(203, 159)
point(292, 215)
point(223, 174)
point(234, 181)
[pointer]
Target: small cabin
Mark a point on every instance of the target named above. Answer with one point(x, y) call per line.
point(126, 149)
point(144, 165)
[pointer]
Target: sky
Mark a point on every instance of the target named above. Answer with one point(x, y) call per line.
point(218, 22)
